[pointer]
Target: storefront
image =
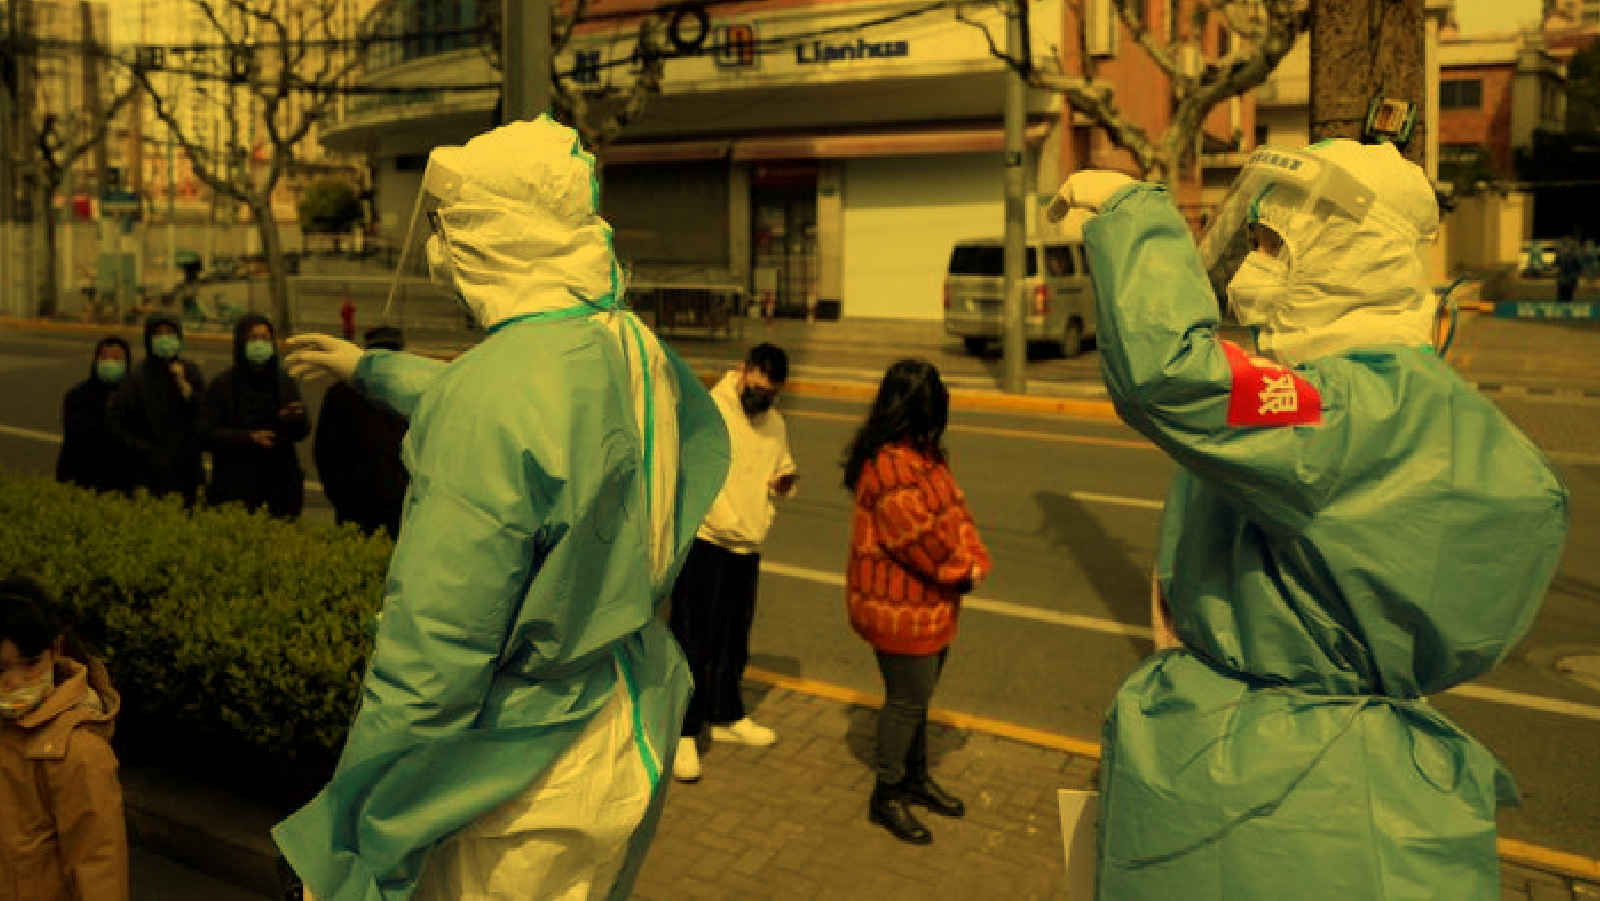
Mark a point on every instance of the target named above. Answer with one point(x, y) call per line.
point(826, 175)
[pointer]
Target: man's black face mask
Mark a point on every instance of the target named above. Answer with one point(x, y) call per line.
point(754, 401)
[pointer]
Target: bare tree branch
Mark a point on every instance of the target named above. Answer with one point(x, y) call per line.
point(1268, 31)
point(283, 71)
point(1132, 19)
point(994, 48)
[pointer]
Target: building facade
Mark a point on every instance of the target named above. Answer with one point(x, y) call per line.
point(823, 155)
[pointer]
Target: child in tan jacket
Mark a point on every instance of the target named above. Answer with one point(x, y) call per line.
point(62, 835)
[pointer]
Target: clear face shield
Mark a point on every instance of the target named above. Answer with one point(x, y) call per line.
point(423, 291)
point(1274, 188)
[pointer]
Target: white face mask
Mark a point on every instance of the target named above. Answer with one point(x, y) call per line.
point(19, 701)
point(1259, 288)
point(442, 272)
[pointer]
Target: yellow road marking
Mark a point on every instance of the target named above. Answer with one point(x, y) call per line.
point(1024, 734)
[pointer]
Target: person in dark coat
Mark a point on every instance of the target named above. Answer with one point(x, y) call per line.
point(155, 413)
point(250, 422)
point(357, 449)
point(90, 457)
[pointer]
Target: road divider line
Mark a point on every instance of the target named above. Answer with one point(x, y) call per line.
point(1532, 702)
point(1111, 627)
point(30, 433)
point(992, 431)
point(972, 602)
point(1521, 853)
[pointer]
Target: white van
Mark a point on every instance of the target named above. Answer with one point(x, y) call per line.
point(1059, 301)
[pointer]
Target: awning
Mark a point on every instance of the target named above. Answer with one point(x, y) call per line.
point(826, 146)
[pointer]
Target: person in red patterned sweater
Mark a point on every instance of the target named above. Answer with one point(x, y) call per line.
point(914, 551)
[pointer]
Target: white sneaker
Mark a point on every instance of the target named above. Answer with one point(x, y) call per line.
point(686, 763)
point(745, 732)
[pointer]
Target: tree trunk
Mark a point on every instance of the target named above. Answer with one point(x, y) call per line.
point(277, 267)
point(52, 257)
point(1360, 51)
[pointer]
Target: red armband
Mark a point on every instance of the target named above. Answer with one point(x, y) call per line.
point(1266, 394)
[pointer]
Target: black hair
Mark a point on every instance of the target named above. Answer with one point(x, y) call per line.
point(770, 360)
point(154, 321)
point(111, 341)
point(912, 406)
point(26, 619)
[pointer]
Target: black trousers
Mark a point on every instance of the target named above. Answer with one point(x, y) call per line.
point(713, 607)
point(908, 684)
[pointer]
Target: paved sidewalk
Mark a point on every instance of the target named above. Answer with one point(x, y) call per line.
point(789, 821)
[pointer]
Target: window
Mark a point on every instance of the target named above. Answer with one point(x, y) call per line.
point(987, 260)
point(1059, 260)
point(1461, 94)
point(1100, 26)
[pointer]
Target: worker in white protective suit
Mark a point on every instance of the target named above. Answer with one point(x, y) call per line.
point(1351, 528)
point(523, 698)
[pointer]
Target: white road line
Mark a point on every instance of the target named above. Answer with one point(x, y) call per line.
point(1116, 500)
point(1532, 702)
point(56, 439)
point(1111, 627)
point(30, 433)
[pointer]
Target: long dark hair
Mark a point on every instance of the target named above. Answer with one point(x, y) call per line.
point(912, 406)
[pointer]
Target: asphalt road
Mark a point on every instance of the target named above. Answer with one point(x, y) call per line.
point(1069, 509)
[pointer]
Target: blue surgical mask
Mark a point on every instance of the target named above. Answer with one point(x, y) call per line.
point(166, 345)
point(110, 371)
point(258, 351)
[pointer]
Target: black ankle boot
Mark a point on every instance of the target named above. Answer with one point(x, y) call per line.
point(921, 789)
point(888, 809)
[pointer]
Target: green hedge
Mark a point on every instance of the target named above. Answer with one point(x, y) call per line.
point(238, 641)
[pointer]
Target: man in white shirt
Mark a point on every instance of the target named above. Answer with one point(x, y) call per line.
point(714, 599)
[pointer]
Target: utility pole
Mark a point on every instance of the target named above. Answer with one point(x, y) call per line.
point(1014, 345)
point(524, 59)
point(25, 48)
point(8, 169)
point(1361, 52)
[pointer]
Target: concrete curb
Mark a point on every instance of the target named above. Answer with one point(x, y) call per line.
point(207, 829)
point(95, 328)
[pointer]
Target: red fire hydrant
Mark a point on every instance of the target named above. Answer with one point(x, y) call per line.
point(347, 316)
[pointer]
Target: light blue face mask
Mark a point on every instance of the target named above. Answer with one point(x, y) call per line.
point(258, 351)
point(166, 345)
point(110, 371)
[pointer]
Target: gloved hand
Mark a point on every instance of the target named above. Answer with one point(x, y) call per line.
point(1086, 189)
point(311, 356)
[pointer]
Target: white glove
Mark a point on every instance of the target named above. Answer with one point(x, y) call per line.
point(311, 356)
point(1087, 189)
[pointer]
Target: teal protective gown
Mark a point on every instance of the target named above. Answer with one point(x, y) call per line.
point(520, 591)
point(1336, 546)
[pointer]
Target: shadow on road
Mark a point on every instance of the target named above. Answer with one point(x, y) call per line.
point(1123, 587)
